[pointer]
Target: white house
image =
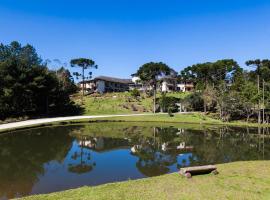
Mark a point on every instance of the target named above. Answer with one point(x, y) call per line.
point(104, 84)
point(185, 87)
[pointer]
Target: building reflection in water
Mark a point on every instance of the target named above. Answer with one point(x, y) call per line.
point(57, 158)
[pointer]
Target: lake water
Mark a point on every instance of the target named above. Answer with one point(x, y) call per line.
point(50, 159)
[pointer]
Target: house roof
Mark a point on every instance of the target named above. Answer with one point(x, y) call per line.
point(112, 79)
point(168, 77)
point(109, 79)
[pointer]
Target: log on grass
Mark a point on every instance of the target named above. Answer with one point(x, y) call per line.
point(206, 169)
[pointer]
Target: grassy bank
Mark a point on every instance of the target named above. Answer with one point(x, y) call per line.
point(113, 103)
point(124, 103)
point(239, 180)
point(182, 119)
point(118, 103)
point(191, 118)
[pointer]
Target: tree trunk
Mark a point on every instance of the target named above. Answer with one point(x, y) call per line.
point(248, 118)
point(259, 107)
point(83, 79)
point(154, 106)
point(220, 112)
point(47, 105)
point(263, 105)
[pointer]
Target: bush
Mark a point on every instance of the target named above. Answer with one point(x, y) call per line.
point(193, 102)
point(135, 93)
point(168, 104)
point(170, 113)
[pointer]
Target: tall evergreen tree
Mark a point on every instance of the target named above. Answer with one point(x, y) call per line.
point(150, 72)
point(85, 64)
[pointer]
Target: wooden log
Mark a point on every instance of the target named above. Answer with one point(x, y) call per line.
point(206, 169)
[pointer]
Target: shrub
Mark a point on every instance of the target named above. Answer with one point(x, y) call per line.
point(135, 93)
point(168, 104)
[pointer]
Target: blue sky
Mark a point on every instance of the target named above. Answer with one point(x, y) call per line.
point(121, 35)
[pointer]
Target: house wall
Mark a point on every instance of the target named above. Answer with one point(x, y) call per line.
point(135, 79)
point(181, 87)
point(164, 87)
point(185, 87)
point(100, 86)
point(87, 85)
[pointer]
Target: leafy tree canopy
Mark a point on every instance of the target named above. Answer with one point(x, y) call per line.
point(27, 86)
point(83, 62)
point(152, 71)
point(210, 72)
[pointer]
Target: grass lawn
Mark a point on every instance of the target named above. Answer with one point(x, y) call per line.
point(239, 180)
point(187, 120)
point(119, 103)
point(124, 103)
point(113, 103)
point(180, 118)
point(183, 118)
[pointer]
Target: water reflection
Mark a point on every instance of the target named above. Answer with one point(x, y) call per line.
point(51, 159)
point(82, 159)
point(22, 157)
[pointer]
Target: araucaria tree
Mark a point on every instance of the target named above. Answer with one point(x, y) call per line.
point(85, 64)
point(209, 76)
point(150, 73)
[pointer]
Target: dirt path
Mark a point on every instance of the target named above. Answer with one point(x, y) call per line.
point(57, 119)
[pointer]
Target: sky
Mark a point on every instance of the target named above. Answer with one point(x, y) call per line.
point(122, 35)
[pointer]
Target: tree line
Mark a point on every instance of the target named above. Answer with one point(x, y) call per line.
point(222, 88)
point(229, 90)
point(28, 87)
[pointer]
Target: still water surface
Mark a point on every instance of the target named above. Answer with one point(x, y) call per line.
point(57, 158)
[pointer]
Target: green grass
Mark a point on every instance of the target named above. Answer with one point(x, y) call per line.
point(187, 120)
point(123, 103)
point(180, 95)
point(239, 180)
point(191, 118)
point(119, 103)
point(114, 103)
point(178, 118)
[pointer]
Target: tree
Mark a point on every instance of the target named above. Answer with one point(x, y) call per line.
point(66, 80)
point(210, 73)
point(262, 75)
point(249, 98)
point(262, 69)
point(222, 98)
point(208, 76)
point(150, 73)
point(209, 97)
point(27, 86)
point(85, 64)
point(168, 104)
point(193, 102)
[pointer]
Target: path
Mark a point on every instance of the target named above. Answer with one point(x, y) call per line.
point(58, 119)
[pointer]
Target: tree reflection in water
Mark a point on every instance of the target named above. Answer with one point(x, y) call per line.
point(23, 154)
point(145, 150)
point(158, 152)
point(84, 165)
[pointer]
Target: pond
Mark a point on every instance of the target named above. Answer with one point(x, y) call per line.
point(50, 159)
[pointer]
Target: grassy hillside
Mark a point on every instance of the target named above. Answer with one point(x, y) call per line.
point(239, 180)
point(117, 103)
